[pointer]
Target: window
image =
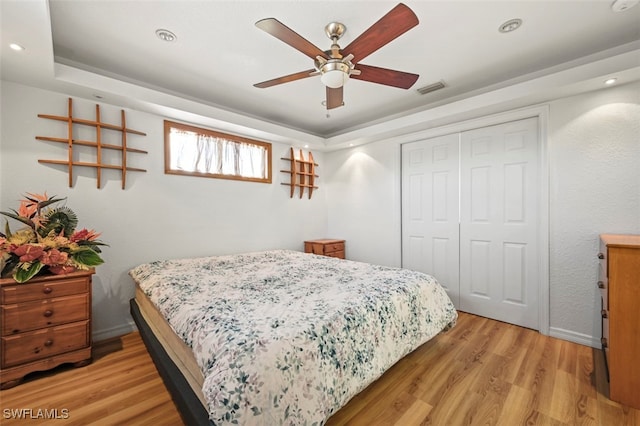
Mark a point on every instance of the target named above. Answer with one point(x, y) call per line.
point(193, 151)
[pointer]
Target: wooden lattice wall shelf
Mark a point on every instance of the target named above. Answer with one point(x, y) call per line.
point(99, 146)
point(303, 173)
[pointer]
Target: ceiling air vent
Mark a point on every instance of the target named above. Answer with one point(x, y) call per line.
point(431, 88)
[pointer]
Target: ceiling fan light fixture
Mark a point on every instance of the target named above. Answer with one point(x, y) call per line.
point(334, 74)
point(334, 79)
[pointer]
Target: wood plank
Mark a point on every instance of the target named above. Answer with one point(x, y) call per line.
point(92, 123)
point(87, 164)
point(90, 143)
point(69, 120)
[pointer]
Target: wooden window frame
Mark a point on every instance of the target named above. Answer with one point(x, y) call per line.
point(168, 125)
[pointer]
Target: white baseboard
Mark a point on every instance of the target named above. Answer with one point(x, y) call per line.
point(572, 336)
point(119, 330)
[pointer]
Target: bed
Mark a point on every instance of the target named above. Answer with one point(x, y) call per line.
point(279, 337)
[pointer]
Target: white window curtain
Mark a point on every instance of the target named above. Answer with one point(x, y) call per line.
point(194, 152)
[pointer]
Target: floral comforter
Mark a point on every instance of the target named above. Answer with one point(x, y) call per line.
point(287, 338)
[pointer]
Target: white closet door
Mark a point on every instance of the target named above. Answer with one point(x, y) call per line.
point(430, 210)
point(499, 224)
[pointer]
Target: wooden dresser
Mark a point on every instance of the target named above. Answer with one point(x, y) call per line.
point(332, 248)
point(619, 282)
point(45, 322)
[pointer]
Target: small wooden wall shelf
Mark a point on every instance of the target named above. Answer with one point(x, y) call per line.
point(97, 144)
point(303, 173)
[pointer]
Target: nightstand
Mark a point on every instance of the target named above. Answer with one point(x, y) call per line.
point(45, 322)
point(326, 247)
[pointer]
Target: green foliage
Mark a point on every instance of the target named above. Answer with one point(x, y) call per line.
point(59, 220)
point(27, 221)
point(87, 257)
point(7, 230)
point(23, 274)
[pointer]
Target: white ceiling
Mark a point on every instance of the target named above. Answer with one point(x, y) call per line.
point(109, 48)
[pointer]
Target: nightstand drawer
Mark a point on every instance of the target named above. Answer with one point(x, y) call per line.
point(34, 345)
point(332, 248)
point(43, 290)
point(21, 317)
point(338, 254)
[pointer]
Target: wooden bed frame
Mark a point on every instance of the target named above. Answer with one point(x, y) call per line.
point(191, 409)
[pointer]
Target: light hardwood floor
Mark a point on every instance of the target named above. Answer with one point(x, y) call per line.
point(482, 372)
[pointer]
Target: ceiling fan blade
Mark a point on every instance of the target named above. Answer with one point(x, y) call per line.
point(334, 97)
point(287, 35)
point(391, 26)
point(286, 79)
point(403, 80)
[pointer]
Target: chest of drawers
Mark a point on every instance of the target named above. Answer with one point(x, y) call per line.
point(619, 283)
point(45, 322)
point(326, 247)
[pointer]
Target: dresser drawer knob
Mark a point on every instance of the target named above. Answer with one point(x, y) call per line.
point(600, 256)
point(48, 343)
point(604, 342)
point(603, 313)
point(47, 290)
point(600, 284)
point(48, 313)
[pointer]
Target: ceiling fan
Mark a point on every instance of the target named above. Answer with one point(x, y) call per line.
point(337, 65)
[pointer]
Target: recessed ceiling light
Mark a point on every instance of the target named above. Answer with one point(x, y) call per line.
point(166, 35)
point(610, 81)
point(622, 5)
point(16, 46)
point(510, 25)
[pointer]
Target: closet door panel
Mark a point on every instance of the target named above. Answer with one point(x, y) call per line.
point(430, 226)
point(498, 222)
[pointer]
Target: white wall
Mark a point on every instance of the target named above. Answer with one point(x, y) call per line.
point(594, 149)
point(594, 161)
point(363, 193)
point(157, 216)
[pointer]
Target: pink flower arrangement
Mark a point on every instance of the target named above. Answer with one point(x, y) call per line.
point(48, 243)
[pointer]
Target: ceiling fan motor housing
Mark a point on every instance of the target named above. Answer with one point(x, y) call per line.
point(335, 30)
